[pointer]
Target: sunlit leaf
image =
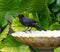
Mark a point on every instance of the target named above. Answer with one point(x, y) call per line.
point(22, 48)
point(57, 49)
point(55, 26)
point(9, 49)
point(9, 41)
point(4, 33)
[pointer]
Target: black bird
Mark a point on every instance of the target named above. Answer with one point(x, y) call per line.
point(28, 22)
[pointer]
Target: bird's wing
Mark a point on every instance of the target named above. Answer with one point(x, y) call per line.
point(29, 20)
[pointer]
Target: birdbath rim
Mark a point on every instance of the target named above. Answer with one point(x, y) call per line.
point(49, 33)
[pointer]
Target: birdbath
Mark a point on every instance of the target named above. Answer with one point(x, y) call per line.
point(46, 41)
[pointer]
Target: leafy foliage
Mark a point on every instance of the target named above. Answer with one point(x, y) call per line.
point(4, 33)
point(9, 41)
point(22, 48)
point(45, 12)
point(55, 26)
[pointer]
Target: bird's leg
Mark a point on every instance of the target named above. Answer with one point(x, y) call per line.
point(26, 29)
point(30, 30)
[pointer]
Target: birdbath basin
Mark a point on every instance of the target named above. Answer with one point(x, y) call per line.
point(45, 40)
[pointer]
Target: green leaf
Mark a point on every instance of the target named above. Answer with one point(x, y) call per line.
point(22, 48)
point(58, 2)
point(9, 49)
point(2, 18)
point(41, 8)
point(16, 6)
point(58, 17)
point(8, 5)
point(9, 41)
point(57, 49)
point(38, 5)
point(55, 26)
point(25, 5)
point(4, 33)
point(50, 1)
point(17, 26)
point(55, 8)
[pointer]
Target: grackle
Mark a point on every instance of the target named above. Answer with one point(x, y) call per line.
point(28, 22)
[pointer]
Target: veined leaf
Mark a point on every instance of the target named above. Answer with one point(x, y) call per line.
point(22, 48)
point(4, 33)
point(55, 26)
point(3, 18)
point(10, 42)
point(41, 8)
point(10, 6)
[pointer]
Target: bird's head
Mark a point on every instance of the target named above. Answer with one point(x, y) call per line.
point(20, 15)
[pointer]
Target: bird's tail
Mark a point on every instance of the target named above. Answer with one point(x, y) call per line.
point(39, 28)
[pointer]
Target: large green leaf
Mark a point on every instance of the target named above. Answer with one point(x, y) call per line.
point(16, 6)
point(4, 33)
point(57, 49)
point(9, 41)
point(22, 48)
point(10, 44)
point(24, 5)
point(40, 7)
point(10, 49)
point(55, 26)
point(2, 18)
point(10, 6)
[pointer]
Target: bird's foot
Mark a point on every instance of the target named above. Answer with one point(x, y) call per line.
point(29, 31)
point(25, 31)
